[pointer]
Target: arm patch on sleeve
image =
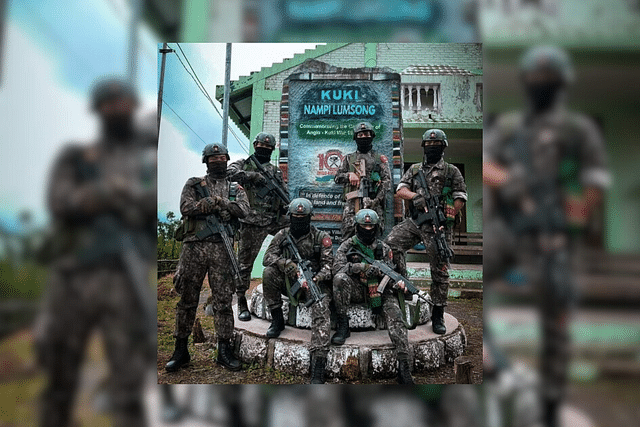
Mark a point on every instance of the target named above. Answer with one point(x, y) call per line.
point(384, 159)
point(326, 242)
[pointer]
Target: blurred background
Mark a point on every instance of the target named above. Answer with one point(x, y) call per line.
point(52, 52)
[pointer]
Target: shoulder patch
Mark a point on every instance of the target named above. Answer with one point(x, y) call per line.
point(384, 159)
point(326, 242)
point(390, 254)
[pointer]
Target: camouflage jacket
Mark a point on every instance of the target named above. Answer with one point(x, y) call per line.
point(263, 211)
point(316, 246)
point(236, 204)
point(377, 169)
point(344, 256)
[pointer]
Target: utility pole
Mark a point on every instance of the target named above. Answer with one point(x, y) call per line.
point(165, 49)
point(227, 90)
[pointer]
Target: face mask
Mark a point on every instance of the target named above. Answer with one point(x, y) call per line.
point(300, 226)
point(364, 144)
point(433, 153)
point(263, 154)
point(118, 128)
point(543, 95)
point(366, 236)
point(217, 170)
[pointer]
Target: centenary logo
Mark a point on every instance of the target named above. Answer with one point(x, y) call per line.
point(331, 160)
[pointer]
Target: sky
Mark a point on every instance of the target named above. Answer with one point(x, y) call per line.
point(180, 148)
point(47, 69)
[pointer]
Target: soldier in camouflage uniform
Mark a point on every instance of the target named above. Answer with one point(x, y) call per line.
point(356, 281)
point(443, 179)
point(267, 214)
point(376, 170)
point(208, 256)
point(545, 171)
point(102, 196)
point(281, 272)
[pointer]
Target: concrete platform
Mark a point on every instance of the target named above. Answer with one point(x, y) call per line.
point(366, 354)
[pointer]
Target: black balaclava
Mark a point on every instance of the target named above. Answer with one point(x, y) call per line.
point(366, 236)
point(543, 95)
point(364, 144)
point(263, 154)
point(217, 170)
point(118, 128)
point(300, 225)
point(433, 153)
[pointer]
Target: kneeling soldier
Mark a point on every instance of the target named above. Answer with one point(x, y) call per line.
point(297, 255)
point(357, 281)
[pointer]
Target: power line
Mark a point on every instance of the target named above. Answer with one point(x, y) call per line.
point(196, 79)
point(186, 124)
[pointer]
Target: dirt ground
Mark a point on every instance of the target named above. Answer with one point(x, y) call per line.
point(204, 370)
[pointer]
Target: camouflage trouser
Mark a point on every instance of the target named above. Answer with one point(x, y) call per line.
point(198, 259)
point(347, 291)
point(348, 227)
point(273, 283)
point(78, 302)
point(406, 235)
point(251, 239)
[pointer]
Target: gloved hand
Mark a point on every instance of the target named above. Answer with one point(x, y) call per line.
point(255, 178)
point(368, 202)
point(356, 268)
point(372, 271)
point(290, 269)
point(225, 215)
point(322, 276)
point(419, 202)
point(206, 205)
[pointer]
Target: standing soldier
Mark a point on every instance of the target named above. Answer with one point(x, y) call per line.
point(357, 281)
point(366, 179)
point(102, 197)
point(268, 198)
point(209, 206)
point(282, 271)
point(545, 171)
point(446, 194)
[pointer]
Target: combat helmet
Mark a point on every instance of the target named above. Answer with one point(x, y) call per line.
point(551, 59)
point(435, 135)
point(266, 138)
point(363, 126)
point(109, 89)
point(212, 150)
point(367, 217)
point(300, 206)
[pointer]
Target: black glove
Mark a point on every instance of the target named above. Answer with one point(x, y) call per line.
point(206, 205)
point(225, 215)
point(356, 268)
point(419, 202)
point(256, 178)
point(373, 271)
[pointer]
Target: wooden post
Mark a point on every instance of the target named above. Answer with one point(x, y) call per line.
point(463, 370)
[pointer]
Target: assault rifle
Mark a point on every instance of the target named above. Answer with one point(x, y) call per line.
point(434, 215)
point(272, 184)
point(305, 276)
point(364, 187)
point(216, 226)
point(390, 275)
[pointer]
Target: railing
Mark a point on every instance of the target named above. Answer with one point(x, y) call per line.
point(166, 266)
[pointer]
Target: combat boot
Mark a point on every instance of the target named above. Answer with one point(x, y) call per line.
point(342, 330)
point(243, 309)
point(437, 320)
point(226, 357)
point(318, 366)
point(277, 323)
point(404, 370)
point(180, 355)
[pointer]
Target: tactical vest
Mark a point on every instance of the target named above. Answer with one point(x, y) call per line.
point(267, 204)
point(446, 195)
point(317, 249)
point(190, 225)
point(374, 176)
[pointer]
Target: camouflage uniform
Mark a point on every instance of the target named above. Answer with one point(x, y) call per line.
point(567, 150)
point(315, 246)
point(377, 166)
point(406, 234)
point(206, 257)
point(102, 198)
point(352, 288)
point(264, 218)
